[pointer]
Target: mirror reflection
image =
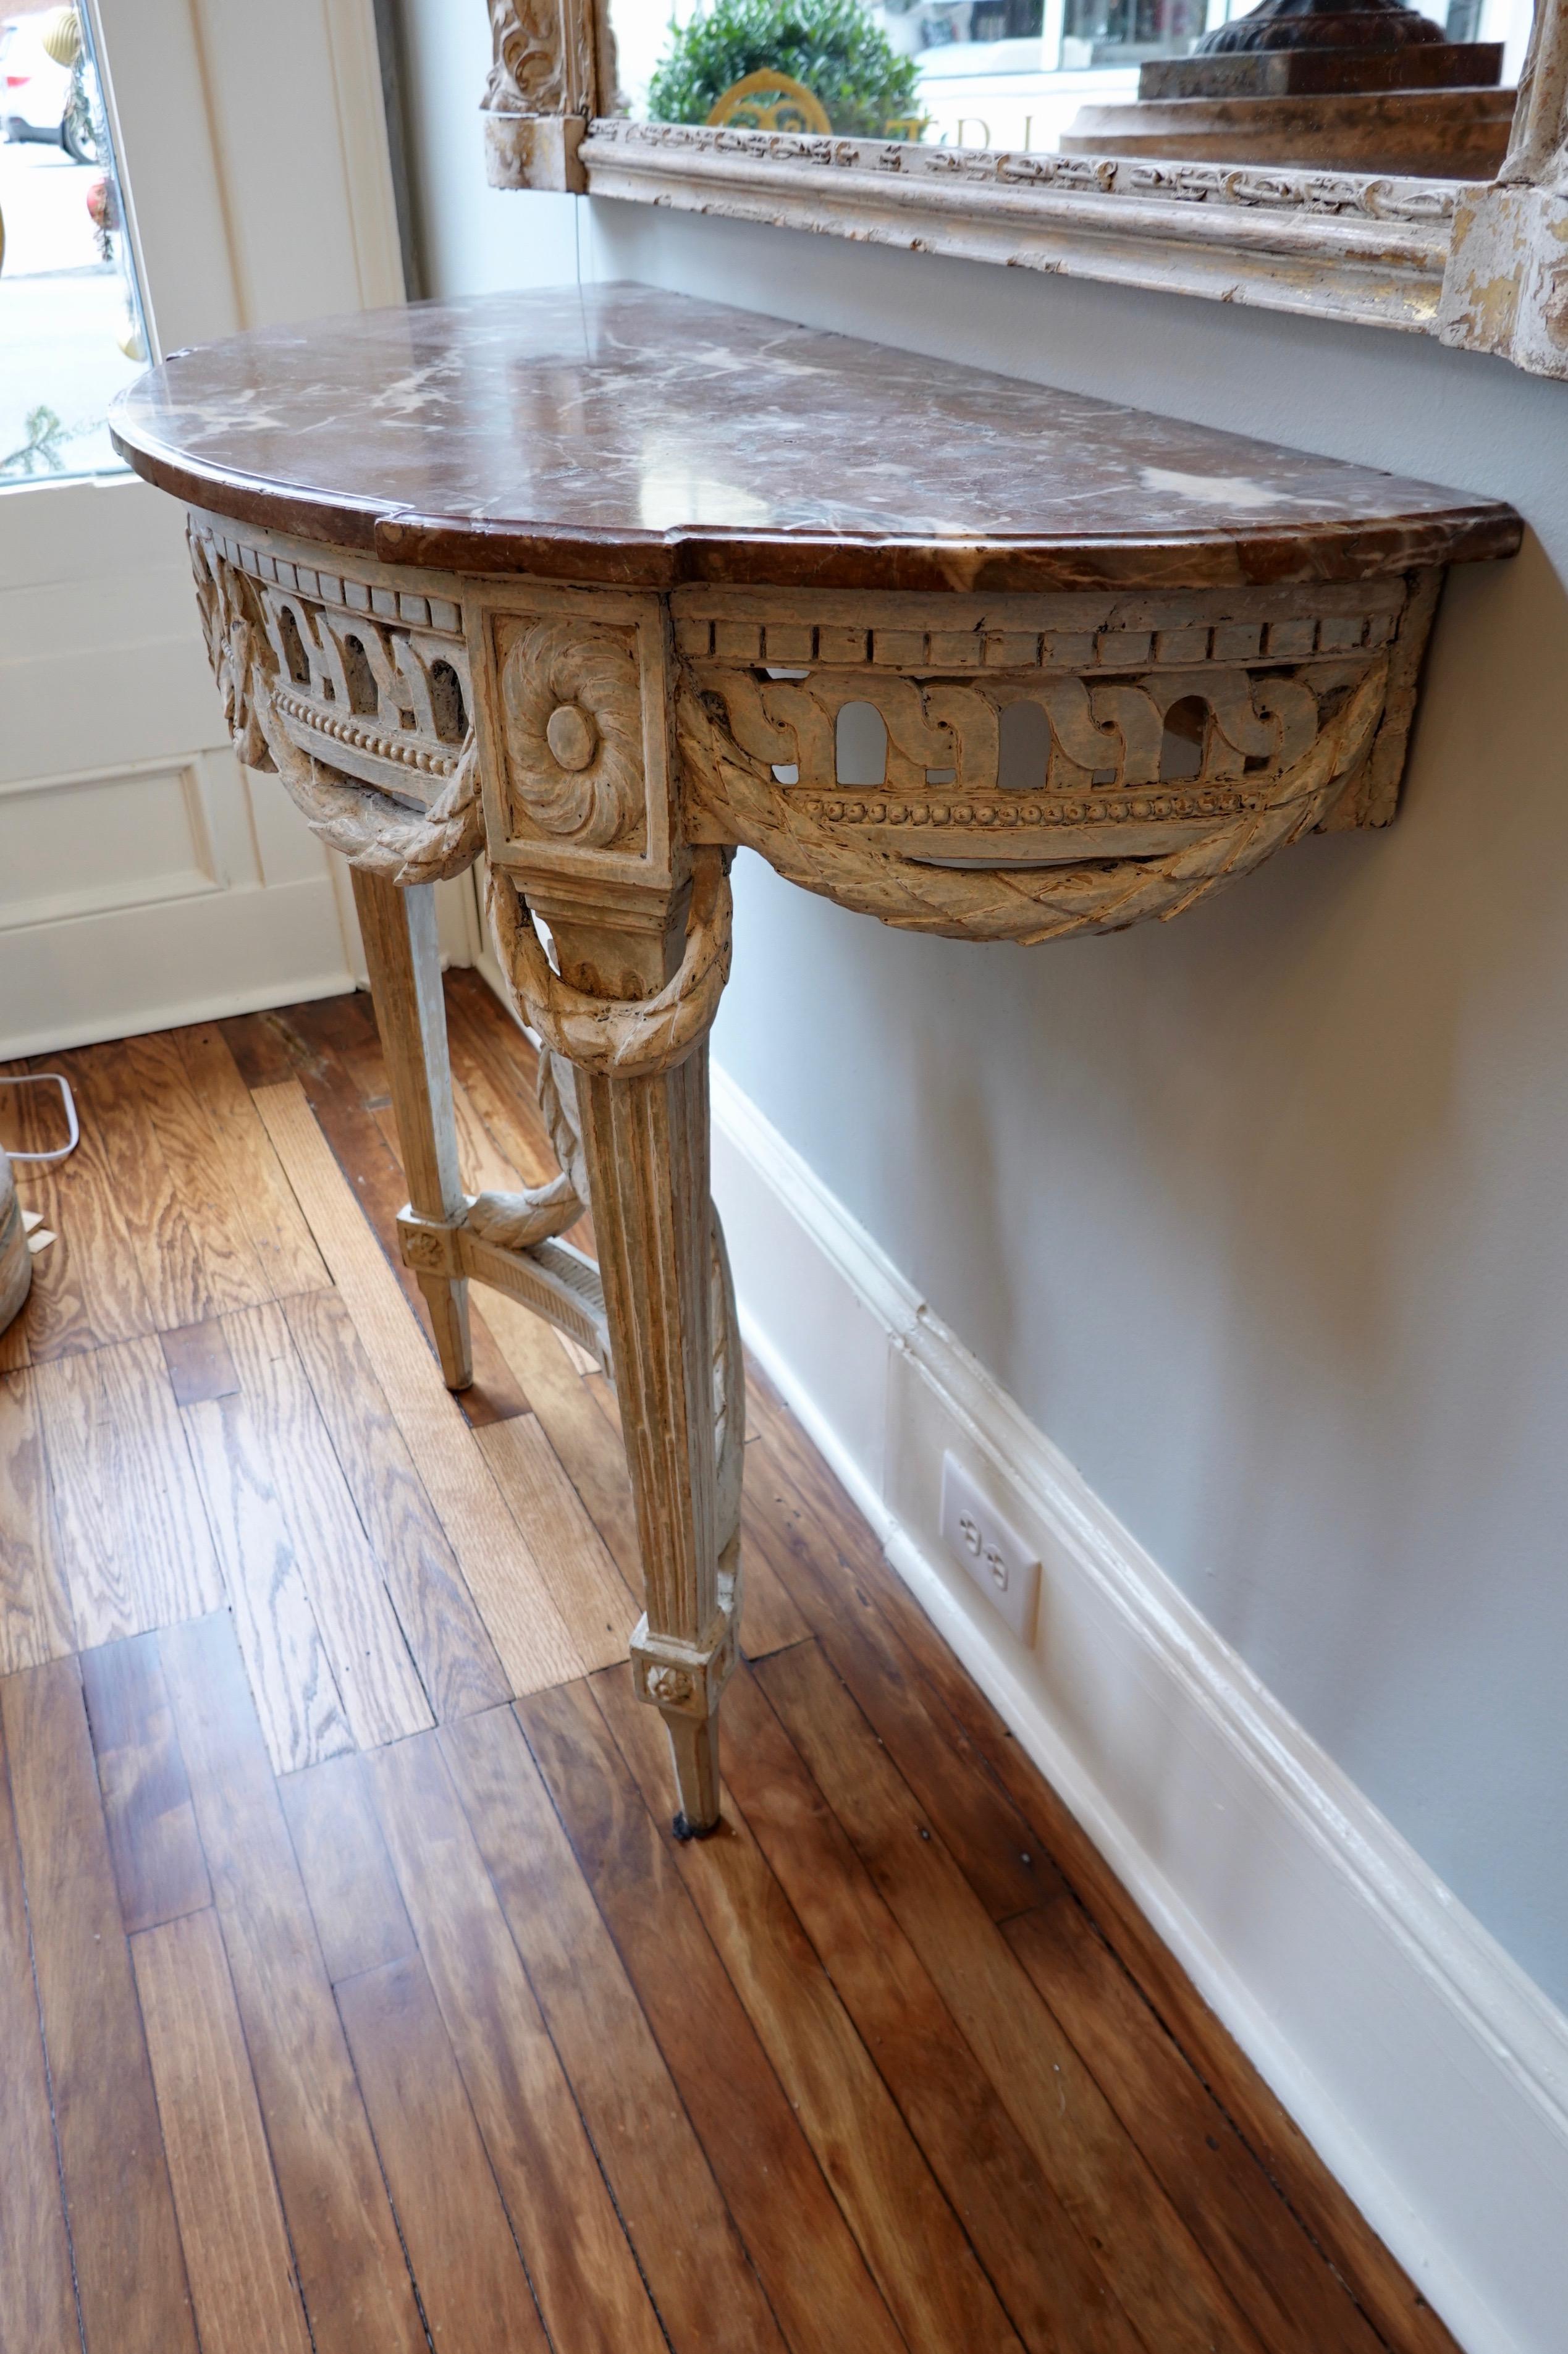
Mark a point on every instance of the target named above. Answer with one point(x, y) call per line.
point(1375, 86)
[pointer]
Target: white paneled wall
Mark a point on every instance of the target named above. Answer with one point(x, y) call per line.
point(144, 878)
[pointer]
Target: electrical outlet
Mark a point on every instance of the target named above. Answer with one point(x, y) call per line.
point(1004, 1565)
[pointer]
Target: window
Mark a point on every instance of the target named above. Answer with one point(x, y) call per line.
point(72, 319)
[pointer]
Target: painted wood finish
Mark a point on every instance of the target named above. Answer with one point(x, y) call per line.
point(1017, 666)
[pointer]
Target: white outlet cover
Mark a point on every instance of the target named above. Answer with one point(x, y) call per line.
point(1002, 1565)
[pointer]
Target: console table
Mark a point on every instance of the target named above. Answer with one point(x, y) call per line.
point(597, 583)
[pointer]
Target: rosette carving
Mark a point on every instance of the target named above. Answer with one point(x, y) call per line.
point(572, 711)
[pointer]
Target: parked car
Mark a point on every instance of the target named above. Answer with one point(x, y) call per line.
point(40, 97)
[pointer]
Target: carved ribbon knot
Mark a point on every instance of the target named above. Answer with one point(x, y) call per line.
point(615, 1037)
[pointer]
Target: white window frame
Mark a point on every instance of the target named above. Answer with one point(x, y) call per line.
point(1481, 265)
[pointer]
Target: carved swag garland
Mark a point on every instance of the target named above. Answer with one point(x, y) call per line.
point(570, 713)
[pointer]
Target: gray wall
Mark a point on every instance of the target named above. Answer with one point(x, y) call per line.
point(1263, 1216)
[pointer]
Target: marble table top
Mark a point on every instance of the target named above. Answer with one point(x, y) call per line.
point(624, 434)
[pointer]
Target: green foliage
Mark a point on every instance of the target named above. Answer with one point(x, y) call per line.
point(831, 46)
point(41, 452)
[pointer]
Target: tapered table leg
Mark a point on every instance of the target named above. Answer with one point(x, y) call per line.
point(398, 928)
point(645, 1141)
point(647, 1145)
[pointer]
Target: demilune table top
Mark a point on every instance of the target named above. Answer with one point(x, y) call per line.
point(622, 434)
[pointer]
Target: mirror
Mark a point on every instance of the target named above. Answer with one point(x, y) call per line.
point(1374, 86)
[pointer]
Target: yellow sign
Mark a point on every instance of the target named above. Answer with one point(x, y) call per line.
point(61, 36)
point(771, 101)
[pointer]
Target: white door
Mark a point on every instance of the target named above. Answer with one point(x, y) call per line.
point(144, 878)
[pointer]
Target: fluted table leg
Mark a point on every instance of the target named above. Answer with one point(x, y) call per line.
point(398, 928)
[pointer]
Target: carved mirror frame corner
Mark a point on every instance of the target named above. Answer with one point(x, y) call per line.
point(1481, 266)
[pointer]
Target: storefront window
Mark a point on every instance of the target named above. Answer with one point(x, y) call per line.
point(956, 73)
point(71, 329)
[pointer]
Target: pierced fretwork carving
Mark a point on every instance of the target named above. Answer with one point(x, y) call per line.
point(352, 693)
point(1049, 765)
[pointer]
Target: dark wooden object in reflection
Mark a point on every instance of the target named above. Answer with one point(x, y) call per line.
point(1352, 85)
point(1432, 134)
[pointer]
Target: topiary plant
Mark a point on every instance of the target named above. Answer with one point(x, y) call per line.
point(831, 46)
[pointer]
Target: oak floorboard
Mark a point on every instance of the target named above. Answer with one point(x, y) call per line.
point(360, 1917)
point(590, 1592)
point(265, 1049)
point(695, 2147)
point(225, 2199)
point(37, 2304)
point(507, 1584)
point(1007, 1865)
point(588, 1447)
point(289, 1259)
point(584, 2274)
point(362, 1138)
point(691, 2256)
point(912, 2240)
point(342, 1030)
point(129, 2272)
point(1278, 2279)
point(497, 1068)
point(1164, 2281)
point(382, 1695)
point(1044, 2273)
point(159, 1868)
point(964, 1722)
point(771, 1618)
point(36, 1621)
point(153, 1071)
point(806, 2255)
point(166, 1248)
point(301, 1709)
point(87, 1288)
point(446, 1633)
point(472, 2284)
point(545, 1365)
point(133, 1539)
point(349, 2265)
point(198, 1363)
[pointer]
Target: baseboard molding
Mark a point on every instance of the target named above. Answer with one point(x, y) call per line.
point(1429, 2070)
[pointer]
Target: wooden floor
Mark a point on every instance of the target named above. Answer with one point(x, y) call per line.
point(354, 1995)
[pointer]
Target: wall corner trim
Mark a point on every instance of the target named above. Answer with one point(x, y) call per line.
point(1428, 2069)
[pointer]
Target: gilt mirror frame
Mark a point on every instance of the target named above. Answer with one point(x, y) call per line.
point(1482, 265)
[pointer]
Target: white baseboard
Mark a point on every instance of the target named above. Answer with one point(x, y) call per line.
point(1429, 2072)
